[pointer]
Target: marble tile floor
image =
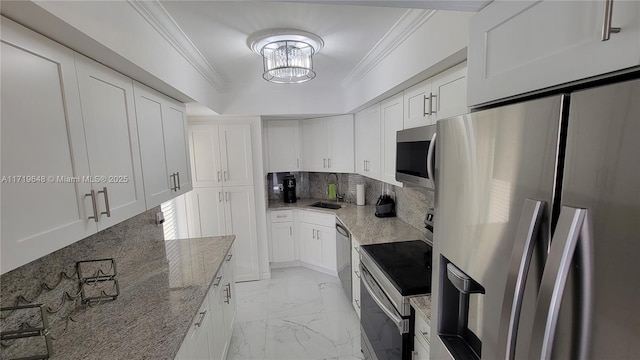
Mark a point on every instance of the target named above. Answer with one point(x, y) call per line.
point(298, 314)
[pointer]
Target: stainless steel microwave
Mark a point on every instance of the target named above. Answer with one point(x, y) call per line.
point(415, 156)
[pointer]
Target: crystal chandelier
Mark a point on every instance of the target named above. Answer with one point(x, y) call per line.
point(287, 54)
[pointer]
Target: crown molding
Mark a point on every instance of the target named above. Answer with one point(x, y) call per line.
point(406, 25)
point(158, 17)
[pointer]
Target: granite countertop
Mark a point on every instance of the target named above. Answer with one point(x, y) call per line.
point(162, 286)
point(361, 222)
point(422, 306)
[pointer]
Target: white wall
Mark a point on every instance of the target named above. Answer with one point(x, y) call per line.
point(115, 34)
point(432, 48)
point(258, 180)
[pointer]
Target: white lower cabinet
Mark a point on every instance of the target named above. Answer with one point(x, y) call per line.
point(229, 210)
point(282, 238)
point(421, 341)
point(355, 274)
point(210, 333)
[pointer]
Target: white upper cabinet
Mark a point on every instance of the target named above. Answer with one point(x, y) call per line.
point(42, 135)
point(284, 146)
point(111, 134)
point(520, 46)
point(391, 121)
point(439, 97)
point(328, 144)
point(368, 142)
point(417, 105)
point(163, 146)
point(340, 157)
point(315, 145)
point(449, 90)
point(221, 155)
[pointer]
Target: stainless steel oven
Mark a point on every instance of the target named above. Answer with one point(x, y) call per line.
point(386, 318)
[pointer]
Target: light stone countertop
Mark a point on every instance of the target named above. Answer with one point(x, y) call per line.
point(422, 306)
point(361, 222)
point(162, 286)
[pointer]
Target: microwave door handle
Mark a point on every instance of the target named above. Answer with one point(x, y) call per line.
point(430, 159)
point(572, 236)
point(379, 299)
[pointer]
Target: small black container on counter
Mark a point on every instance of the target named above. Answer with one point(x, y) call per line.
point(385, 207)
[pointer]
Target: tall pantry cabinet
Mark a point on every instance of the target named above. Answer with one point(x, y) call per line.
point(222, 201)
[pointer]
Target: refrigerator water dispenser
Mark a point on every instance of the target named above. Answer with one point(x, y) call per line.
point(456, 329)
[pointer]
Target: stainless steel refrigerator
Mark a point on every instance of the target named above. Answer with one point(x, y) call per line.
point(537, 230)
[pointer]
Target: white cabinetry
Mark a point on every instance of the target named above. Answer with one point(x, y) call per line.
point(318, 240)
point(368, 142)
point(221, 155)
point(284, 146)
point(221, 203)
point(328, 144)
point(439, 97)
point(355, 274)
point(111, 134)
point(282, 238)
point(210, 333)
point(164, 151)
point(391, 121)
point(421, 342)
point(520, 46)
point(42, 134)
point(228, 211)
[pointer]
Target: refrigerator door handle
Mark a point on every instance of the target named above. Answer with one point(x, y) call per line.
point(430, 160)
point(526, 234)
point(572, 233)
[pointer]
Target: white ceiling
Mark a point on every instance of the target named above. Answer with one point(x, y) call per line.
point(219, 30)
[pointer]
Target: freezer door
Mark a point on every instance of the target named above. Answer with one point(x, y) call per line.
point(602, 176)
point(495, 180)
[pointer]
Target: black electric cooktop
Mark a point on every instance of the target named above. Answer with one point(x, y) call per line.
point(407, 264)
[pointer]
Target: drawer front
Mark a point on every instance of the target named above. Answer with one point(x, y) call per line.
point(420, 351)
point(281, 216)
point(422, 331)
point(317, 218)
point(355, 275)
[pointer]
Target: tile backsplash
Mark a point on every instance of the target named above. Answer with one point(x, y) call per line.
point(412, 203)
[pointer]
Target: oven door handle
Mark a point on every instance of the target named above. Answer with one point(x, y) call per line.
point(383, 303)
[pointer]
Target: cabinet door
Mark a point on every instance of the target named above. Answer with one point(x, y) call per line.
point(207, 212)
point(174, 121)
point(230, 299)
point(374, 168)
point(42, 135)
point(521, 46)
point(282, 244)
point(235, 153)
point(149, 106)
point(217, 299)
point(200, 335)
point(392, 120)
point(240, 214)
point(111, 133)
point(450, 90)
point(284, 146)
point(368, 141)
point(205, 155)
point(315, 146)
point(309, 244)
point(328, 254)
point(417, 103)
point(341, 144)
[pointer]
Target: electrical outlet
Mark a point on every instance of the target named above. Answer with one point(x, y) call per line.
point(159, 218)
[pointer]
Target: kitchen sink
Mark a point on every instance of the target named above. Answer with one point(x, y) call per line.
point(325, 205)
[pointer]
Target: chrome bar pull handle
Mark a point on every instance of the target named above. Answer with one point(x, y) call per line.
point(227, 291)
point(424, 105)
point(226, 175)
point(173, 182)
point(314, 233)
point(219, 196)
point(219, 173)
point(607, 29)
point(94, 205)
point(106, 202)
point(218, 280)
point(201, 320)
point(178, 181)
point(229, 257)
point(324, 163)
point(572, 236)
point(525, 240)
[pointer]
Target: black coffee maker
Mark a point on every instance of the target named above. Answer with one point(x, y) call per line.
point(289, 188)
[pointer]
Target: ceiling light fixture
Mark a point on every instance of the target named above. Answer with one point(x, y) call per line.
point(287, 55)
